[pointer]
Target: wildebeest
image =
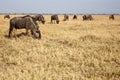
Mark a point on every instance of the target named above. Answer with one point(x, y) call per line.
point(66, 17)
point(55, 18)
point(36, 18)
point(111, 17)
point(39, 17)
point(24, 23)
point(87, 17)
point(74, 16)
point(7, 16)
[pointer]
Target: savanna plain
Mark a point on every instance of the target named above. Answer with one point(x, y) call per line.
point(71, 50)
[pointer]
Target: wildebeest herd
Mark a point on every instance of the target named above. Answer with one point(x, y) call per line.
point(29, 23)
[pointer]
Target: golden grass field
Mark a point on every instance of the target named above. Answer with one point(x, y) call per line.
point(71, 50)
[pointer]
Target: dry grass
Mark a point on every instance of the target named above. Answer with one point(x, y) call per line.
point(71, 50)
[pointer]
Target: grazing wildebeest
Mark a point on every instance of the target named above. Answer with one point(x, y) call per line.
point(7, 16)
point(55, 18)
point(111, 17)
point(66, 17)
point(36, 18)
point(87, 17)
point(39, 17)
point(24, 23)
point(74, 16)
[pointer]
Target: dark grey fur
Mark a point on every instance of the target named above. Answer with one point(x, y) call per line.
point(111, 17)
point(55, 18)
point(24, 23)
point(75, 17)
point(66, 17)
point(87, 17)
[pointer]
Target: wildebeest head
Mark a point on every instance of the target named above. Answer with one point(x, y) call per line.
point(57, 21)
point(35, 31)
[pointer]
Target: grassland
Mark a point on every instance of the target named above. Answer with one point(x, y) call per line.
point(71, 50)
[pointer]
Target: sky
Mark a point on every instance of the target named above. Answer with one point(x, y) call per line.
point(61, 6)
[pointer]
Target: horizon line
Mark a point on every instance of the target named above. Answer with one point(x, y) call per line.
point(62, 13)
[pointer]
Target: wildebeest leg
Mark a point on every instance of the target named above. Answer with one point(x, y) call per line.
point(14, 30)
point(10, 32)
point(31, 32)
point(27, 32)
point(51, 20)
point(55, 21)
